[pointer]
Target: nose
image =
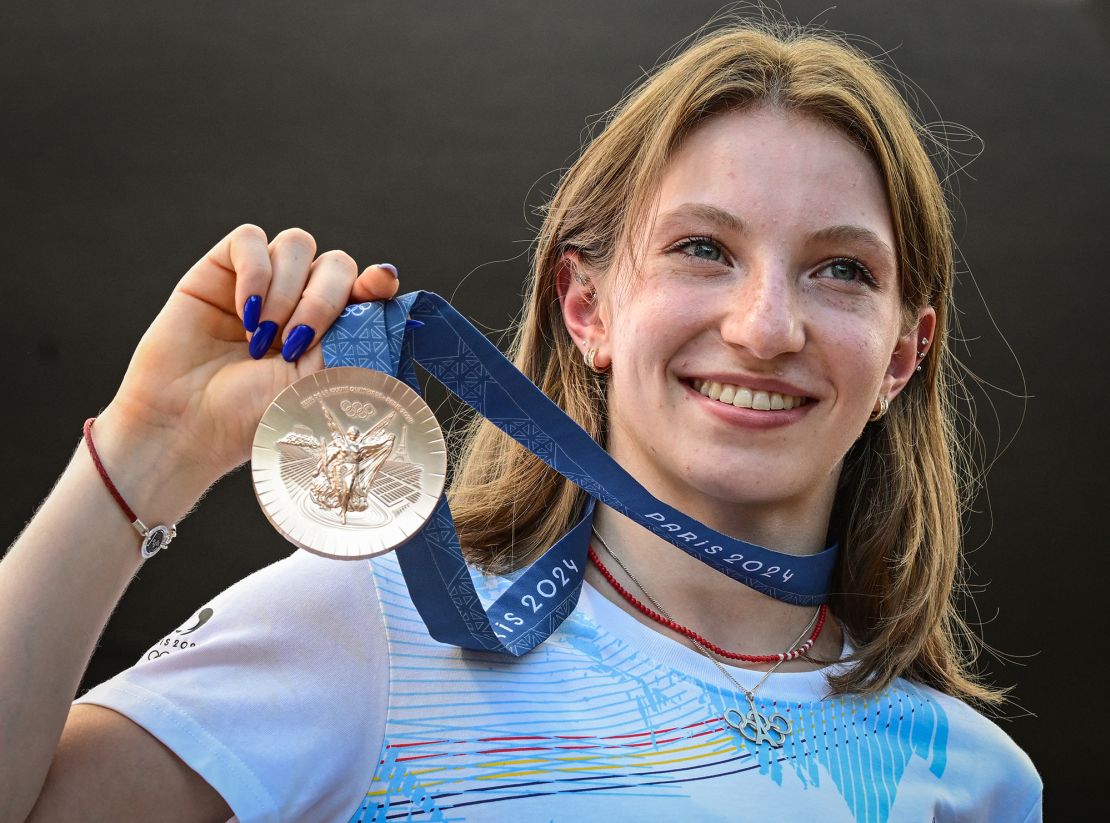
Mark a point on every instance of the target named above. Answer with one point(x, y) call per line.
point(764, 315)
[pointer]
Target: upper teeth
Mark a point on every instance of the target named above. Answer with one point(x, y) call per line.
point(747, 398)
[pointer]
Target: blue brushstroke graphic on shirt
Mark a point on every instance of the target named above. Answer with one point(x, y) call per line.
point(586, 684)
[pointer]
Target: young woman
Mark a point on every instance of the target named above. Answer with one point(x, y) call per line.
point(741, 290)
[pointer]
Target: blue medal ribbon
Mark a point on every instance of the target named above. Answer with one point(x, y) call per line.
point(374, 336)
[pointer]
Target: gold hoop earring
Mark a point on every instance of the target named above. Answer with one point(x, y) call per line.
point(588, 357)
point(881, 408)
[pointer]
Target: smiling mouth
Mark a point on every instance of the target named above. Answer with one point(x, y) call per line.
point(745, 398)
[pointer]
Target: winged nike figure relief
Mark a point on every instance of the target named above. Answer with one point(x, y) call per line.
point(351, 471)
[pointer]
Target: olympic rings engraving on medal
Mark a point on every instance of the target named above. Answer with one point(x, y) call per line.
point(356, 409)
point(758, 727)
point(344, 477)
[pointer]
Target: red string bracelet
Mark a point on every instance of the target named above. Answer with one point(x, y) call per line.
point(791, 654)
point(154, 539)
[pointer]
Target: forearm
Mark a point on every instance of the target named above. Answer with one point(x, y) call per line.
point(60, 582)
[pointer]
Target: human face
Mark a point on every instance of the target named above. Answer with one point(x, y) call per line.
point(766, 271)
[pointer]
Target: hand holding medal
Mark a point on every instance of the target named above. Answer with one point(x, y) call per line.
point(200, 378)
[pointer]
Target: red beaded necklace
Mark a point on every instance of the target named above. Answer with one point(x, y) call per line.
point(792, 654)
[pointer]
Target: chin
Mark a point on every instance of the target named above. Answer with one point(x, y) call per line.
point(755, 490)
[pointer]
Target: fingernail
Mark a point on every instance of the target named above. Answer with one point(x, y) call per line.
point(389, 267)
point(262, 338)
point(252, 309)
point(413, 324)
point(297, 342)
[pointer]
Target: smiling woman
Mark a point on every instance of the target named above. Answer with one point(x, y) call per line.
point(788, 161)
point(742, 291)
point(770, 317)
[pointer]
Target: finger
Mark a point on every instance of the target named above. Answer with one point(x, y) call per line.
point(291, 253)
point(250, 260)
point(377, 282)
point(329, 282)
point(242, 255)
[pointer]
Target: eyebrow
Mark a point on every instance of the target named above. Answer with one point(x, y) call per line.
point(860, 237)
point(704, 211)
point(837, 234)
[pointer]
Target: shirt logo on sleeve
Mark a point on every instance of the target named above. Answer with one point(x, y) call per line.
point(170, 643)
point(203, 617)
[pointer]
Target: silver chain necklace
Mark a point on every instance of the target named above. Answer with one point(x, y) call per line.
point(754, 725)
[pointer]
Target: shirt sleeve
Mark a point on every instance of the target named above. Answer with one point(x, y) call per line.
point(275, 692)
point(1035, 813)
point(987, 776)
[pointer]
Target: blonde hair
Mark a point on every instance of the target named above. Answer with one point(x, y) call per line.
point(905, 484)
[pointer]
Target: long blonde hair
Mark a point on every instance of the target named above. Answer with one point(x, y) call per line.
point(905, 484)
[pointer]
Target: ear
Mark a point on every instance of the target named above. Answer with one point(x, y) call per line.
point(909, 352)
point(583, 312)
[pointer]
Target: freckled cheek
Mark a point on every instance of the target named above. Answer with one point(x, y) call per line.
point(856, 358)
point(859, 341)
point(648, 342)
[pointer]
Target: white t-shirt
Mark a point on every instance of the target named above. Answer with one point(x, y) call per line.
point(311, 691)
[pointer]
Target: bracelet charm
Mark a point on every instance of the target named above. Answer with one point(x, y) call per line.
point(155, 539)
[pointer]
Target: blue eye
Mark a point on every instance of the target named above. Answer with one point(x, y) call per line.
point(700, 248)
point(847, 270)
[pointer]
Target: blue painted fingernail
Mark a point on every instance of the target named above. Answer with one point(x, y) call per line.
point(297, 342)
point(252, 309)
point(413, 324)
point(262, 338)
point(389, 267)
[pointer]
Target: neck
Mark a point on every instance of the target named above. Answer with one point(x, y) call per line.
point(721, 609)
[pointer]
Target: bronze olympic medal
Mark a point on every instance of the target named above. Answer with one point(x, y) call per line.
point(348, 463)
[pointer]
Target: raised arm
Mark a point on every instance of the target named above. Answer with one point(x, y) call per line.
point(184, 415)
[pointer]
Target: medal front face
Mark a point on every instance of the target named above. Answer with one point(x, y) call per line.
point(348, 463)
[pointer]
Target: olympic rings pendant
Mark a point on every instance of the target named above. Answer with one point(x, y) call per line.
point(758, 727)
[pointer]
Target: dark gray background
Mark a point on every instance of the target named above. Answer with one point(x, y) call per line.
point(137, 134)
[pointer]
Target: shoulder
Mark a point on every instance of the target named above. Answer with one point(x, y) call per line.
point(297, 613)
point(967, 726)
point(300, 615)
point(982, 754)
point(301, 573)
